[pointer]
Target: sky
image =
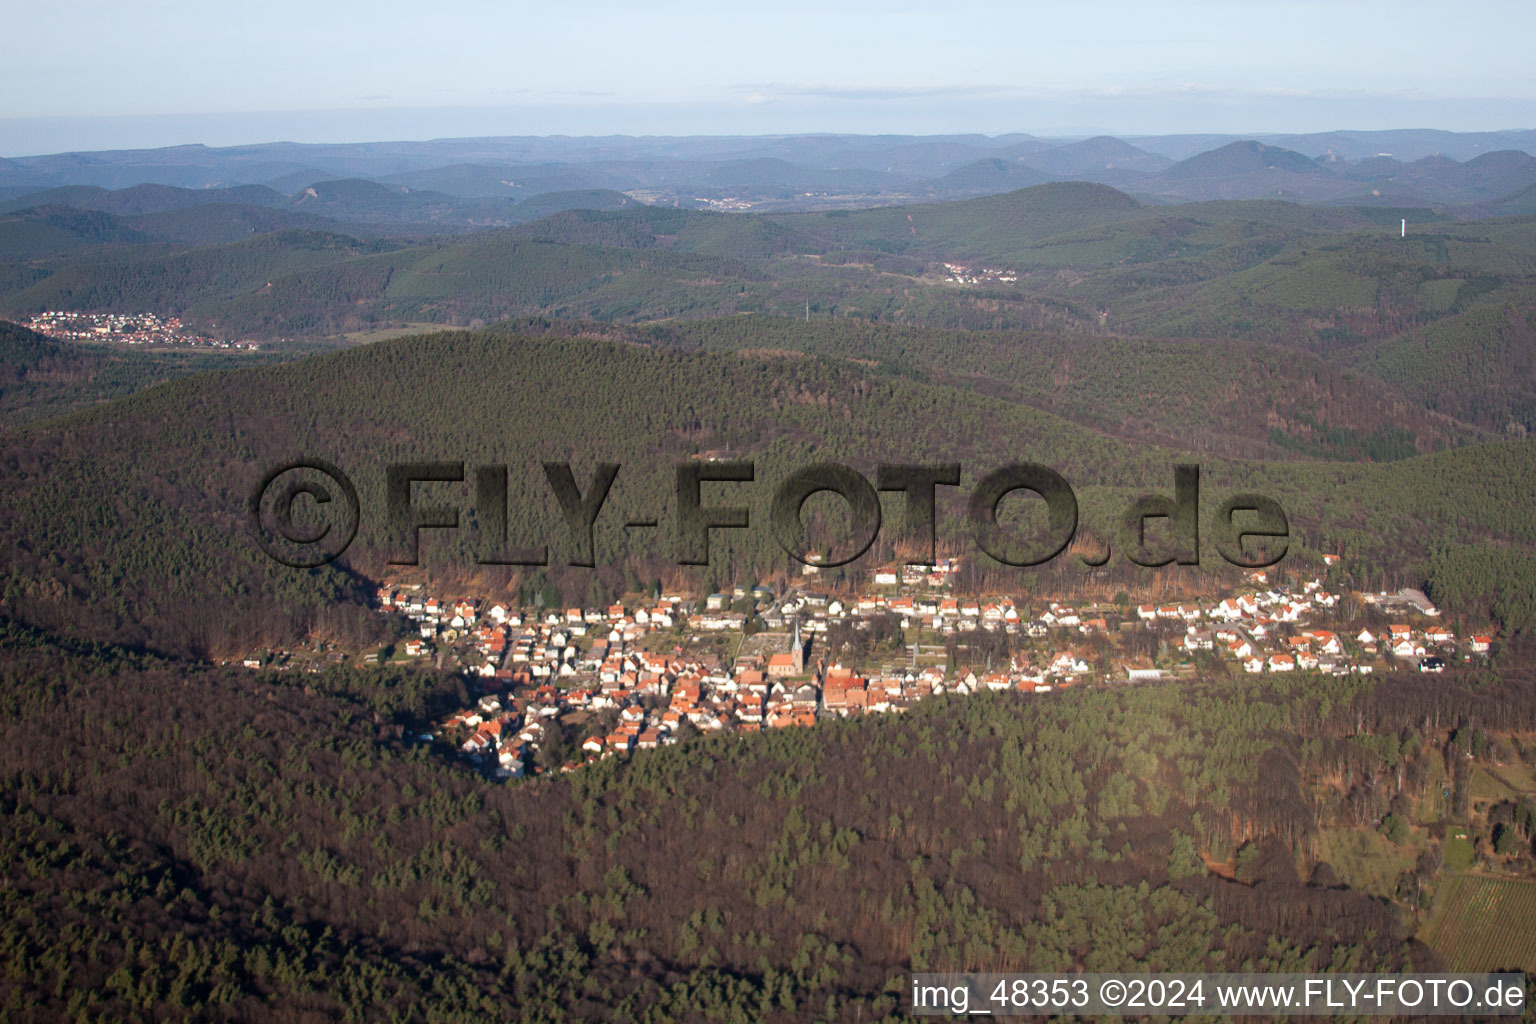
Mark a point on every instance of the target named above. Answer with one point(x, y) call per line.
point(87, 74)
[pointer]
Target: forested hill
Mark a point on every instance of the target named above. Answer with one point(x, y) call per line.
point(128, 521)
point(236, 845)
point(1212, 397)
point(1437, 323)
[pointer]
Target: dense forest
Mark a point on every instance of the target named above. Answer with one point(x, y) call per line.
point(225, 845)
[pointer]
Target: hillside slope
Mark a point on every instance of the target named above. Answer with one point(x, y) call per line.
point(41, 377)
point(310, 861)
point(130, 521)
point(1231, 398)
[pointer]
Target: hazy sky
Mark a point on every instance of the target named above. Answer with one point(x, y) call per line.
point(90, 74)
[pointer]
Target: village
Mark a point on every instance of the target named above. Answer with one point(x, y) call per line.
point(553, 688)
point(959, 273)
point(126, 329)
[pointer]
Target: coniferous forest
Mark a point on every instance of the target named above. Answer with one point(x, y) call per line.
point(209, 843)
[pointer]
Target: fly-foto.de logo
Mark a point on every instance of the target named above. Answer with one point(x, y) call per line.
point(305, 512)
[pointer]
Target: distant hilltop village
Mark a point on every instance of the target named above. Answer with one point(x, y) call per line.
point(959, 273)
point(126, 328)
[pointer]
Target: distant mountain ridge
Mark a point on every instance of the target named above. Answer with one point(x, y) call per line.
point(146, 198)
point(1103, 152)
point(993, 174)
point(1245, 170)
point(804, 171)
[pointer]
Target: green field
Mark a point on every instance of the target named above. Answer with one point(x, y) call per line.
point(398, 331)
point(1516, 776)
point(1366, 859)
point(1483, 924)
point(1503, 783)
point(1459, 854)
